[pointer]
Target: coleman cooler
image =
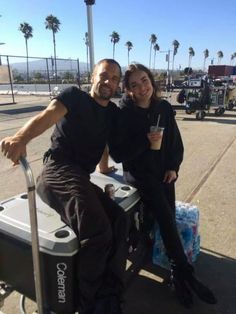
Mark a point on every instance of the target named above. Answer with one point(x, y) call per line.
point(58, 247)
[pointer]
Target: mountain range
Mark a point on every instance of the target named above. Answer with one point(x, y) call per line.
point(41, 66)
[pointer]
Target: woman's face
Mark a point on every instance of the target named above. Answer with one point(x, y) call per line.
point(140, 87)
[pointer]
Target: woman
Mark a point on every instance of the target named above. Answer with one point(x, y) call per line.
point(156, 170)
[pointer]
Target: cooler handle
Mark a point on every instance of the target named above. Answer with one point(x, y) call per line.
point(34, 231)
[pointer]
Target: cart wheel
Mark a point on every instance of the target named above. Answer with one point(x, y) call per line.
point(200, 115)
point(219, 111)
point(188, 111)
point(230, 105)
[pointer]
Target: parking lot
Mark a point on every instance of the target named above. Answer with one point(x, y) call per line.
point(206, 178)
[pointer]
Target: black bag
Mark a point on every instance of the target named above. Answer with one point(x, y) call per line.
point(181, 96)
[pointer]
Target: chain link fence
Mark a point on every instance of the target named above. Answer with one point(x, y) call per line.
point(21, 76)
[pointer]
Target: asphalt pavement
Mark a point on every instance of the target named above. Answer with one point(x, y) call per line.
point(206, 179)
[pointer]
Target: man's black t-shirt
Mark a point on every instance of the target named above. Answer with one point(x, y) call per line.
point(81, 135)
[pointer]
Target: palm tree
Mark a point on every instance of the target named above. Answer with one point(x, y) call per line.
point(115, 38)
point(206, 55)
point(220, 56)
point(156, 48)
point(191, 54)
point(27, 30)
point(232, 57)
point(86, 40)
point(52, 23)
point(129, 46)
point(153, 40)
point(175, 44)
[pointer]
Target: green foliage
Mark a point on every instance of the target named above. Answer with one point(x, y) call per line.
point(52, 23)
point(129, 45)
point(115, 37)
point(38, 76)
point(27, 30)
point(176, 44)
point(68, 76)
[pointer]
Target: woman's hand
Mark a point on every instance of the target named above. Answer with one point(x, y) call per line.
point(170, 176)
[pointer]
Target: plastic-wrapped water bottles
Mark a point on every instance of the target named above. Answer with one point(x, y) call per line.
point(187, 220)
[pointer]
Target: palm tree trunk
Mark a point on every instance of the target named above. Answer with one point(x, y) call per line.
point(173, 63)
point(204, 64)
point(55, 56)
point(88, 73)
point(172, 70)
point(150, 57)
point(113, 50)
point(189, 61)
point(27, 60)
point(128, 57)
point(154, 61)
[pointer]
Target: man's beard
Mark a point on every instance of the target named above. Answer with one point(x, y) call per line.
point(104, 92)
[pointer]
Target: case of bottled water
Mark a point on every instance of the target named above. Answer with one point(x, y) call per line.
point(187, 220)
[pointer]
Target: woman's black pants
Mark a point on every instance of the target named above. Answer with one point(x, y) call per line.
point(159, 200)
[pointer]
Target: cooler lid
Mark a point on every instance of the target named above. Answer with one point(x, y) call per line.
point(54, 236)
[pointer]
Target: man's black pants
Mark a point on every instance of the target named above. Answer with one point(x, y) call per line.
point(99, 223)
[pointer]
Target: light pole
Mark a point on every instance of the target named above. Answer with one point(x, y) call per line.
point(89, 4)
point(0, 55)
point(167, 52)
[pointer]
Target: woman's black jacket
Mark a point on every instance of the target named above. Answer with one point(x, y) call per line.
point(129, 143)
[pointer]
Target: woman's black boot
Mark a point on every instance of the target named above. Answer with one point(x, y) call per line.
point(184, 275)
point(182, 291)
point(202, 291)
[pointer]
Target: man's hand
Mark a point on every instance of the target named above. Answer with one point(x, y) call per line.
point(170, 176)
point(13, 148)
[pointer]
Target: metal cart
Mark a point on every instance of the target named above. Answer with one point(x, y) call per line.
point(203, 97)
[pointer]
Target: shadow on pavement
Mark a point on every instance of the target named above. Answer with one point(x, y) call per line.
point(7, 103)
point(209, 119)
point(22, 110)
point(149, 295)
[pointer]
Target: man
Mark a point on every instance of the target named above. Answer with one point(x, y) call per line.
point(83, 125)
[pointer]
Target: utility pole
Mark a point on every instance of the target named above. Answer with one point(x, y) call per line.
point(167, 52)
point(1, 44)
point(0, 54)
point(89, 4)
point(168, 68)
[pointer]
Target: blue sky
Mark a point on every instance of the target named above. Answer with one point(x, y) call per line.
point(201, 24)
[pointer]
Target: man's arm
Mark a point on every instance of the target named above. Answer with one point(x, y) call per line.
point(14, 147)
